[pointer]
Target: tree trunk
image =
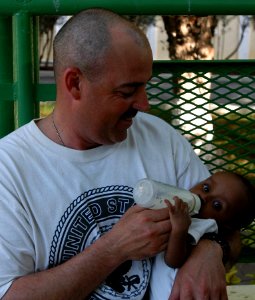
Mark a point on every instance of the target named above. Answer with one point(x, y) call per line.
point(190, 38)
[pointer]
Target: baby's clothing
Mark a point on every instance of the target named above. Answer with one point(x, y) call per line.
point(163, 276)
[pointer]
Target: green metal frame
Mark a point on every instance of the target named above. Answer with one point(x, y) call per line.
point(6, 77)
point(161, 7)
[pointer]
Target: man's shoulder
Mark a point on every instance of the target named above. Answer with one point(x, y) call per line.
point(149, 121)
point(16, 138)
point(151, 118)
point(154, 125)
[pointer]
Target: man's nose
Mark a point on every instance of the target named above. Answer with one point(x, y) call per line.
point(141, 102)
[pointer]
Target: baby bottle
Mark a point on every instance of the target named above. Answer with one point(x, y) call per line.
point(152, 194)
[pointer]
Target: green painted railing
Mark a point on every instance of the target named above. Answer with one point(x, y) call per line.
point(6, 77)
point(160, 7)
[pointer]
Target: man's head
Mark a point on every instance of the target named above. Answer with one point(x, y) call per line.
point(102, 64)
point(86, 40)
point(228, 198)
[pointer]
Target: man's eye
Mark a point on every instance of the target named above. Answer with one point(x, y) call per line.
point(205, 188)
point(127, 95)
point(217, 205)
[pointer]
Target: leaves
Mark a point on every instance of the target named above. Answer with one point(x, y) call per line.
point(231, 277)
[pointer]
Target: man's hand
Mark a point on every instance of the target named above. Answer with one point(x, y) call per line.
point(140, 233)
point(202, 277)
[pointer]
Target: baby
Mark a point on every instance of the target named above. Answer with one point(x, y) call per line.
point(227, 204)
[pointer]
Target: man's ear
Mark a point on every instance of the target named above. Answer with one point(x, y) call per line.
point(73, 77)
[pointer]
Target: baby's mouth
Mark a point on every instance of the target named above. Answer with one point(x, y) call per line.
point(202, 200)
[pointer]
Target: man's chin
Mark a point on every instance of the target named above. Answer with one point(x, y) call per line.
point(124, 124)
point(120, 137)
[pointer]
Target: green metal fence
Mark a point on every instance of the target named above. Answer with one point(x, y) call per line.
point(211, 102)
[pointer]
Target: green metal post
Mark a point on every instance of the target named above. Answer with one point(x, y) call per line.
point(36, 64)
point(160, 7)
point(6, 105)
point(23, 67)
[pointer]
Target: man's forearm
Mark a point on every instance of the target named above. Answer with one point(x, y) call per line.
point(203, 275)
point(230, 244)
point(74, 279)
point(139, 234)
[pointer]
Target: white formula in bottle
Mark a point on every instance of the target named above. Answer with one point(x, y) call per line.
point(152, 194)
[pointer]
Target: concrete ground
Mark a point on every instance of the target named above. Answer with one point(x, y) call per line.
point(245, 289)
point(241, 292)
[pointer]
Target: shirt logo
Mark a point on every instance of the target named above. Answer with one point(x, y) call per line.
point(87, 218)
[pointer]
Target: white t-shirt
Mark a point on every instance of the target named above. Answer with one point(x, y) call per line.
point(163, 276)
point(55, 201)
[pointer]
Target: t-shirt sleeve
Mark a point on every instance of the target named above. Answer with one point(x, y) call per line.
point(16, 246)
point(4, 288)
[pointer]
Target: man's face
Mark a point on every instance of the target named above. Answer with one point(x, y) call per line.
point(109, 104)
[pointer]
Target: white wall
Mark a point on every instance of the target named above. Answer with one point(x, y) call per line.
point(158, 40)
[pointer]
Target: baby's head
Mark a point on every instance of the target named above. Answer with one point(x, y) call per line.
point(227, 197)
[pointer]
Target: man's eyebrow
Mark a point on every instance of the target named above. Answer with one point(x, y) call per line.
point(130, 84)
point(133, 84)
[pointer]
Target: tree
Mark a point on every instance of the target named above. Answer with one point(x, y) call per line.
point(190, 38)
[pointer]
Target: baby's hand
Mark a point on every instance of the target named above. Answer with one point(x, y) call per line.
point(179, 215)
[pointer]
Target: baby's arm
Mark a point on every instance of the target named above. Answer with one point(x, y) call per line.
point(177, 249)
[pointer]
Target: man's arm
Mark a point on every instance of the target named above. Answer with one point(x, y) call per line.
point(74, 279)
point(203, 274)
point(140, 233)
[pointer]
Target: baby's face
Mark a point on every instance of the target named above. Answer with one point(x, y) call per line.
point(221, 196)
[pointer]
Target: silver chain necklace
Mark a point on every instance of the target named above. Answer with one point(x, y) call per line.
point(56, 129)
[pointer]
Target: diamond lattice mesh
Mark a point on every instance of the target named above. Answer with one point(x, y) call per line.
point(213, 105)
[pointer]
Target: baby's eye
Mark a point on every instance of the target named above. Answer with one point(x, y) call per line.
point(217, 205)
point(206, 188)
